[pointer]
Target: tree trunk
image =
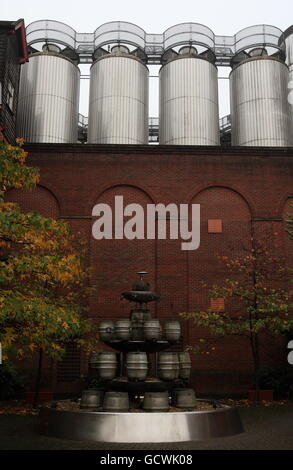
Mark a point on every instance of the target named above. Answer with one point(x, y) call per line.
point(38, 379)
point(256, 363)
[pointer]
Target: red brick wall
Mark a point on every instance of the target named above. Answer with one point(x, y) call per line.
point(248, 189)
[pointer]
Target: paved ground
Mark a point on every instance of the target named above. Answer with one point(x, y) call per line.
point(265, 429)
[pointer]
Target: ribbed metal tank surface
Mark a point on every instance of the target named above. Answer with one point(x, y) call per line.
point(289, 62)
point(260, 112)
point(118, 109)
point(189, 113)
point(48, 99)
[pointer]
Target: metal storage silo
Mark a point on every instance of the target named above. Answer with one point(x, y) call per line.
point(260, 112)
point(189, 113)
point(288, 36)
point(48, 99)
point(118, 107)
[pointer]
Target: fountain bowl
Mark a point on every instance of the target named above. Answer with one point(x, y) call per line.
point(143, 427)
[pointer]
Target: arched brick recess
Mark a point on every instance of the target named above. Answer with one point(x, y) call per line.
point(218, 203)
point(39, 199)
point(44, 202)
point(115, 262)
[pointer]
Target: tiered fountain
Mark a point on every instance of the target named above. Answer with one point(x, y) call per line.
point(129, 399)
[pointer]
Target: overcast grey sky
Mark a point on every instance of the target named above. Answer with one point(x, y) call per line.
point(224, 17)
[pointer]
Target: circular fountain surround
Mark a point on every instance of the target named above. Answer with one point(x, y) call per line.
point(139, 427)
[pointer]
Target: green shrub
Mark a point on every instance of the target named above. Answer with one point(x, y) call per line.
point(278, 379)
point(11, 382)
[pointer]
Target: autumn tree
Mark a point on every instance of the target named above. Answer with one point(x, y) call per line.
point(264, 306)
point(43, 278)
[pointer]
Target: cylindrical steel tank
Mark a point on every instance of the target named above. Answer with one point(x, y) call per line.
point(118, 107)
point(288, 35)
point(48, 99)
point(260, 113)
point(189, 113)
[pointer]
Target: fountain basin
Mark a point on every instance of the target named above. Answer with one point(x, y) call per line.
point(139, 427)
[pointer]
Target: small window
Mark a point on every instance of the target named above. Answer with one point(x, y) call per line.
point(215, 226)
point(10, 95)
point(218, 305)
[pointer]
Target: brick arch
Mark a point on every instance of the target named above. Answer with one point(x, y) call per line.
point(284, 203)
point(230, 188)
point(219, 203)
point(124, 184)
point(39, 199)
point(223, 204)
point(115, 262)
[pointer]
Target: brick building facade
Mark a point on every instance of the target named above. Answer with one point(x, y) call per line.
point(13, 53)
point(243, 192)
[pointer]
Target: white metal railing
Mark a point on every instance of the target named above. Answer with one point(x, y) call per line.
point(84, 44)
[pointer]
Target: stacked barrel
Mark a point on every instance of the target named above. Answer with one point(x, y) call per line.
point(124, 330)
point(171, 367)
point(125, 378)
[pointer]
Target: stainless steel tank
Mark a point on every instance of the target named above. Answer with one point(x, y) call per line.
point(118, 107)
point(189, 113)
point(260, 111)
point(48, 99)
point(288, 35)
